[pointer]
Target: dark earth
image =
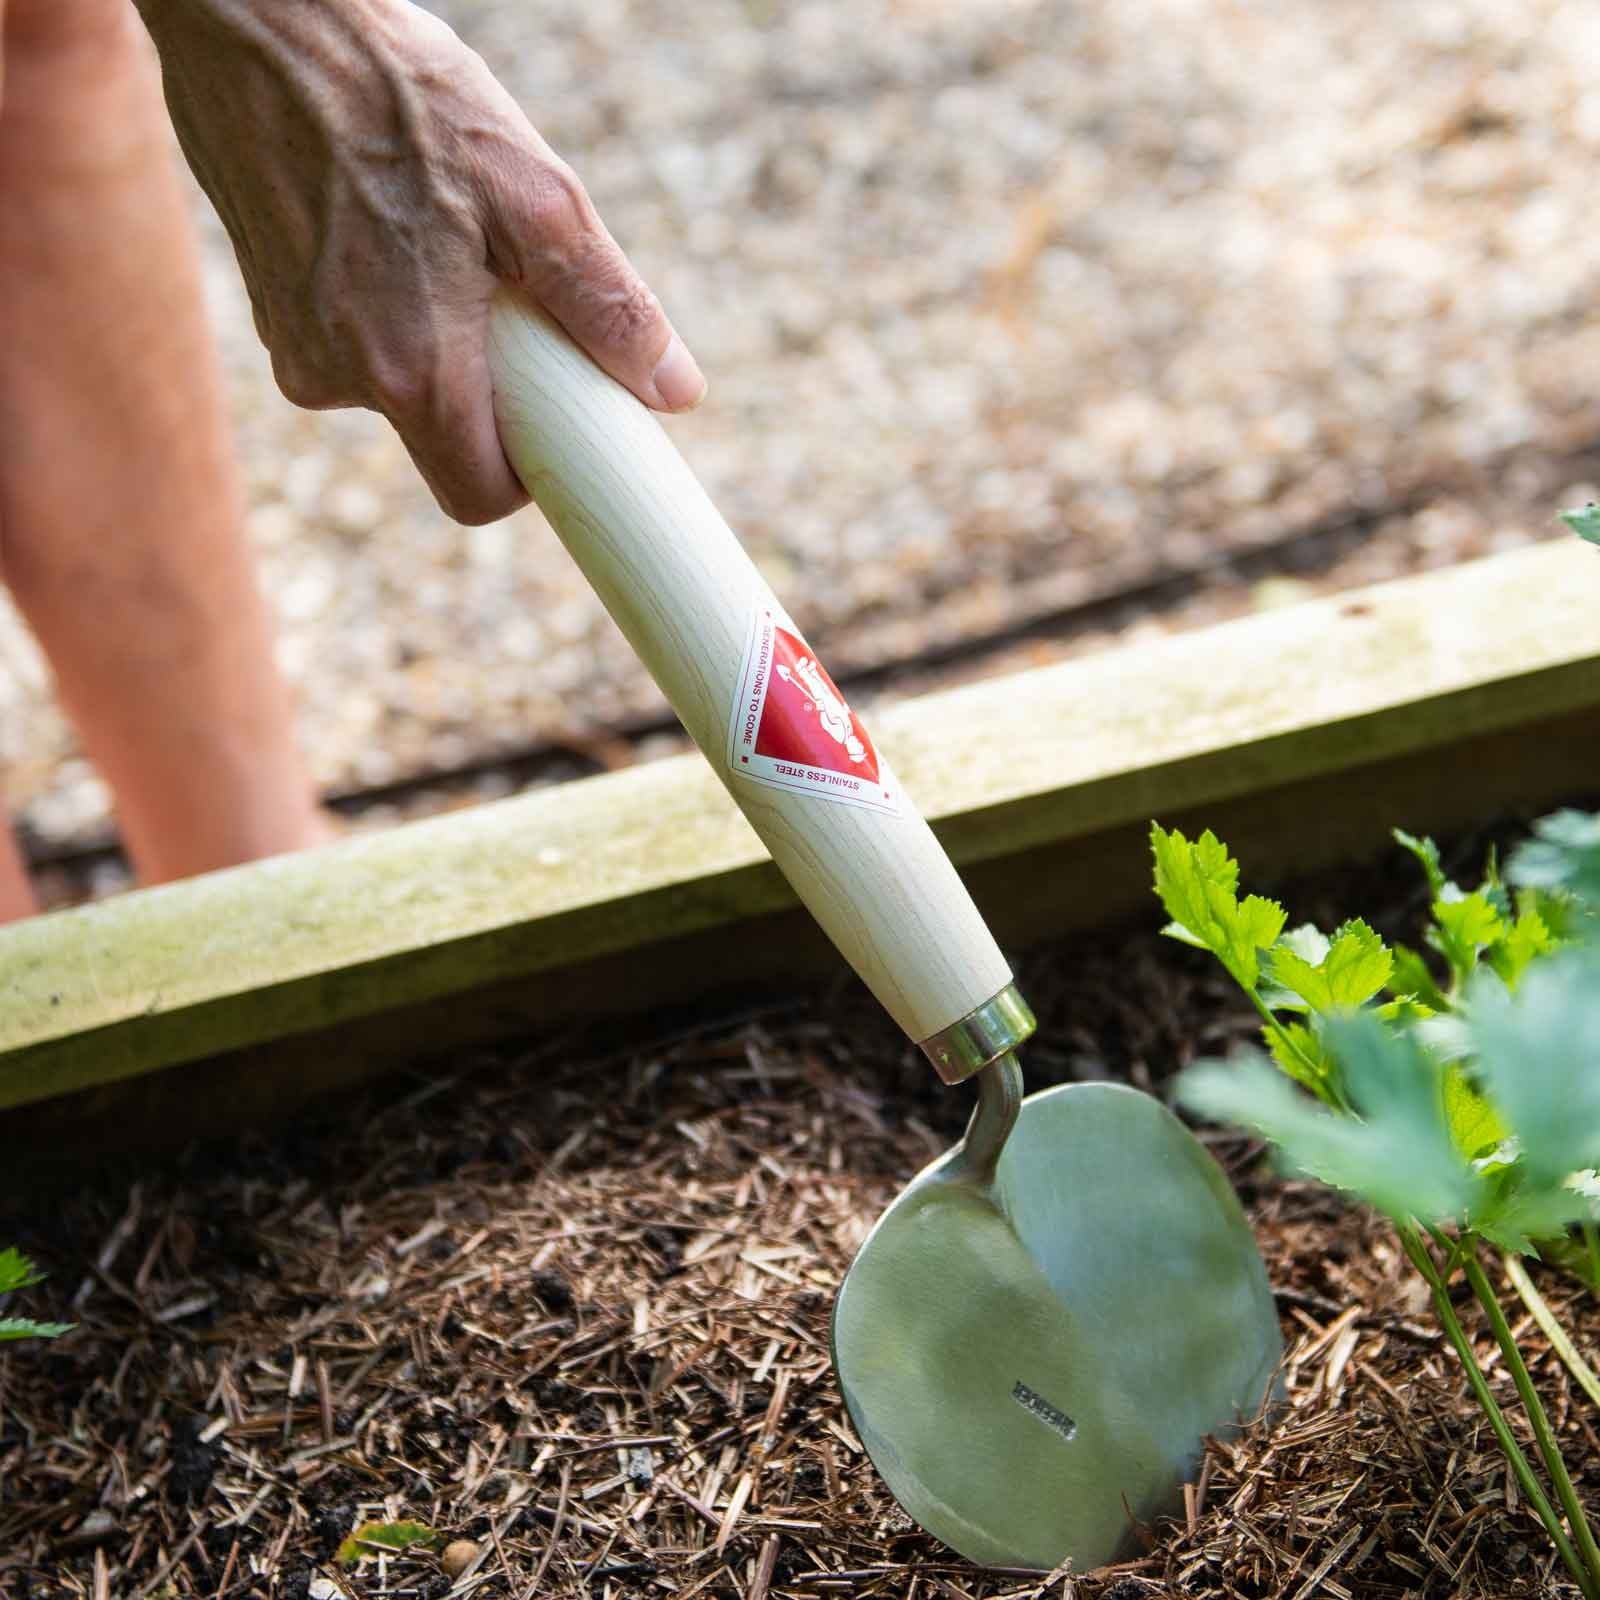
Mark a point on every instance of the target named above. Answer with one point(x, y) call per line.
point(569, 1300)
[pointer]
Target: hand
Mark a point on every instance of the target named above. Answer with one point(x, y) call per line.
point(377, 183)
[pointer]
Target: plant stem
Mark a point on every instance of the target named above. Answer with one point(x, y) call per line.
point(1521, 1468)
point(1555, 1464)
point(1550, 1325)
point(1313, 1079)
point(1591, 1237)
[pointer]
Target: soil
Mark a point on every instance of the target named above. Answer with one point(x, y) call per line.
point(568, 1301)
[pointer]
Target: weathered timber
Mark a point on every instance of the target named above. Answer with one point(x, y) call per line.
point(1301, 734)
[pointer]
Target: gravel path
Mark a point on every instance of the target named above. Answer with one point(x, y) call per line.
point(1005, 304)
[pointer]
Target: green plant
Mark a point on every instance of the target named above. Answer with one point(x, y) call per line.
point(1463, 1099)
point(18, 1272)
point(372, 1537)
point(1584, 522)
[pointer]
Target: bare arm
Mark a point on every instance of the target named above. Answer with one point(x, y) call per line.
point(377, 182)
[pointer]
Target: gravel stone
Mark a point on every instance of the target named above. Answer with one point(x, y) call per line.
point(1004, 304)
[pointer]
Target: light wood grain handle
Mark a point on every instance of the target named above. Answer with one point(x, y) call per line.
point(693, 605)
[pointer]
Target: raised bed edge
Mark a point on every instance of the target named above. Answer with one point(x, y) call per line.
point(1406, 678)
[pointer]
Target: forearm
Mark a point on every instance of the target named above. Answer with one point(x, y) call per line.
point(283, 17)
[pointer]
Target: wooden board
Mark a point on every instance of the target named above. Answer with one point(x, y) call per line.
point(1448, 695)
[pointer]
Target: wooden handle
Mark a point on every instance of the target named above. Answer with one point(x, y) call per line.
point(739, 675)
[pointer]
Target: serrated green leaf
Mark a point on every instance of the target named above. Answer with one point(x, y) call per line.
point(1571, 1254)
point(1276, 998)
point(1198, 884)
point(1176, 930)
point(1397, 1154)
point(1308, 942)
point(17, 1271)
point(1564, 854)
point(1260, 922)
point(1493, 888)
point(387, 1536)
point(1181, 877)
point(1538, 1053)
point(1184, 870)
point(1527, 1213)
point(1563, 914)
point(1404, 1010)
point(1476, 1128)
point(1355, 966)
point(1463, 924)
point(1300, 1053)
point(1410, 977)
point(1585, 522)
point(1524, 940)
point(27, 1328)
point(1427, 852)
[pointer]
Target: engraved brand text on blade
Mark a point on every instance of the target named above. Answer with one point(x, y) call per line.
point(1051, 1416)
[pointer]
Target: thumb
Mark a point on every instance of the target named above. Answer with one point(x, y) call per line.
point(550, 241)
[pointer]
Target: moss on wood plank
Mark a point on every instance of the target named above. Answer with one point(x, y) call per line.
point(482, 899)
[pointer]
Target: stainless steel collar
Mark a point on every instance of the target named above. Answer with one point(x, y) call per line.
point(996, 1027)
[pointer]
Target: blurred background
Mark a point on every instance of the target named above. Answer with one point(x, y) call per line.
point(1030, 325)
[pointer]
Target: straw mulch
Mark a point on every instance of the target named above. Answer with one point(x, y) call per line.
point(571, 1305)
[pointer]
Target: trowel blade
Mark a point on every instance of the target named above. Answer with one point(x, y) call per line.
point(1031, 1365)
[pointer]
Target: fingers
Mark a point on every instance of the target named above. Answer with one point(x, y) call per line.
point(432, 383)
point(546, 237)
point(431, 380)
point(449, 430)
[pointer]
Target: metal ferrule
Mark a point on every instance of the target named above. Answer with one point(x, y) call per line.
point(996, 1027)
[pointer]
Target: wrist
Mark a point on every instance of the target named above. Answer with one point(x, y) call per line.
point(278, 18)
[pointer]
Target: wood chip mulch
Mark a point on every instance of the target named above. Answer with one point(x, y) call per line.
point(573, 1308)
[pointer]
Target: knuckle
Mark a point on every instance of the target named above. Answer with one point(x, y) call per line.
point(557, 205)
point(474, 513)
point(421, 451)
point(440, 421)
point(303, 383)
point(631, 312)
point(401, 373)
point(461, 493)
point(400, 389)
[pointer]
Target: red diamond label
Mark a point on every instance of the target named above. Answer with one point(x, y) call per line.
point(792, 729)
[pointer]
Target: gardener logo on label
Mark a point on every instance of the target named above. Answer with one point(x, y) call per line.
point(791, 728)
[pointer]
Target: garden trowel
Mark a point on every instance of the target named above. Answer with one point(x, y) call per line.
point(1037, 1333)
